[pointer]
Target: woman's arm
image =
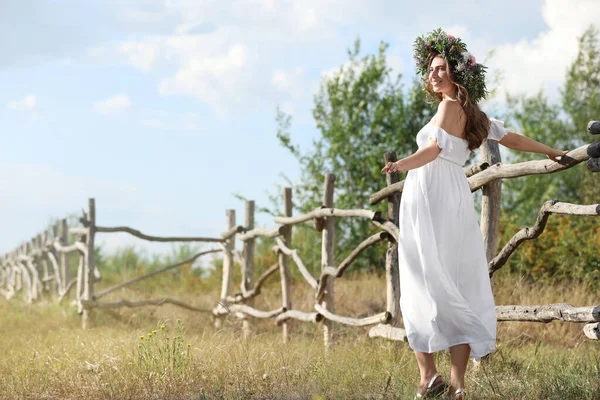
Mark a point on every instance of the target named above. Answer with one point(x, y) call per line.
point(523, 143)
point(417, 159)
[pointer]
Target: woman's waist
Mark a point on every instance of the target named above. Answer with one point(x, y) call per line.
point(458, 161)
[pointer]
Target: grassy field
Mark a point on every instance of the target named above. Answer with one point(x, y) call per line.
point(46, 355)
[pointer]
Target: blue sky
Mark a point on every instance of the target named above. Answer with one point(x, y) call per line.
point(161, 110)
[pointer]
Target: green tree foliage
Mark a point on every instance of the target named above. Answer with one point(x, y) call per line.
point(361, 112)
point(581, 102)
point(568, 248)
point(561, 126)
point(540, 121)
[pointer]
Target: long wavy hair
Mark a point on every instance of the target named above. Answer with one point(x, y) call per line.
point(477, 122)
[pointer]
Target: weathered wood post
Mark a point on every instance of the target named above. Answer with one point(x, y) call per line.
point(32, 268)
point(64, 257)
point(80, 272)
point(41, 245)
point(3, 266)
point(392, 271)
point(490, 207)
point(490, 201)
point(284, 263)
point(18, 271)
point(17, 281)
point(25, 277)
point(88, 275)
point(248, 265)
point(53, 257)
point(327, 259)
point(227, 265)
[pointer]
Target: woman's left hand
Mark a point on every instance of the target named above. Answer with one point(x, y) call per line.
point(556, 155)
point(391, 167)
point(388, 167)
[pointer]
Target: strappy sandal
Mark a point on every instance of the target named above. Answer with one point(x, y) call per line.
point(460, 392)
point(432, 390)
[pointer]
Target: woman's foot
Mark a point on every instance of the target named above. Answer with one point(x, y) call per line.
point(432, 388)
point(458, 394)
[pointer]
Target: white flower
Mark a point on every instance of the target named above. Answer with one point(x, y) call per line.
point(466, 55)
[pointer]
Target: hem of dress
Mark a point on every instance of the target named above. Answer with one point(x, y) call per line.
point(477, 357)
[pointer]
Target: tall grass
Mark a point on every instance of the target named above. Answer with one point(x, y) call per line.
point(46, 355)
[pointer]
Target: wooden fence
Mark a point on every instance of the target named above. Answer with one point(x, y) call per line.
point(41, 264)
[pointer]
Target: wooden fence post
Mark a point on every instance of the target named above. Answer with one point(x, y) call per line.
point(88, 270)
point(64, 257)
point(29, 270)
point(227, 265)
point(392, 271)
point(41, 245)
point(284, 264)
point(17, 269)
point(33, 267)
point(248, 265)
point(52, 256)
point(490, 201)
point(327, 259)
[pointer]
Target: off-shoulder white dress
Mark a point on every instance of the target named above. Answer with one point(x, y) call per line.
point(446, 297)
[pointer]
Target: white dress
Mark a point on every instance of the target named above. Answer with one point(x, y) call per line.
point(446, 296)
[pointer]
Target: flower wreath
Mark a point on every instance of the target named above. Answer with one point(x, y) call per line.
point(464, 68)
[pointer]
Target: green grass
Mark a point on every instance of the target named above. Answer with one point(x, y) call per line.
point(46, 354)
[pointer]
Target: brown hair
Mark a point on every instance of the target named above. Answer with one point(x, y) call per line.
point(477, 123)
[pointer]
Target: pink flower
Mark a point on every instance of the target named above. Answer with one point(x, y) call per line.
point(472, 58)
point(451, 38)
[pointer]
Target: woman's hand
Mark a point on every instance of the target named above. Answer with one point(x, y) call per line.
point(556, 155)
point(391, 167)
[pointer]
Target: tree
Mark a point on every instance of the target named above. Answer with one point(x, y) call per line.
point(581, 102)
point(561, 126)
point(361, 112)
point(567, 248)
point(540, 121)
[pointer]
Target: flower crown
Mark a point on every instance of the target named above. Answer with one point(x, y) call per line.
point(463, 66)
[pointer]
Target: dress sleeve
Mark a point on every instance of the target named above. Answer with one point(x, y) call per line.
point(497, 129)
point(441, 137)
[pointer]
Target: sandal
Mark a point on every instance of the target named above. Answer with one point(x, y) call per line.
point(460, 392)
point(432, 390)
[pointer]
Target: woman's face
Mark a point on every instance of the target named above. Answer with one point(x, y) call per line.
point(439, 76)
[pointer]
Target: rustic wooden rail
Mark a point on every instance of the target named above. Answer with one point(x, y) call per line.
point(42, 265)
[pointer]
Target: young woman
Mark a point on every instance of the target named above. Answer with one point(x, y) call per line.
point(446, 296)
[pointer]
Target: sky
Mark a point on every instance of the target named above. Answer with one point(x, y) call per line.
point(163, 110)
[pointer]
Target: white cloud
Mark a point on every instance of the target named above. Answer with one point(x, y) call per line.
point(541, 63)
point(220, 80)
point(26, 104)
point(113, 105)
point(141, 55)
point(460, 31)
point(223, 53)
point(291, 82)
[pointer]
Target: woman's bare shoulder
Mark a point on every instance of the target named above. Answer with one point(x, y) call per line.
point(449, 106)
point(448, 117)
